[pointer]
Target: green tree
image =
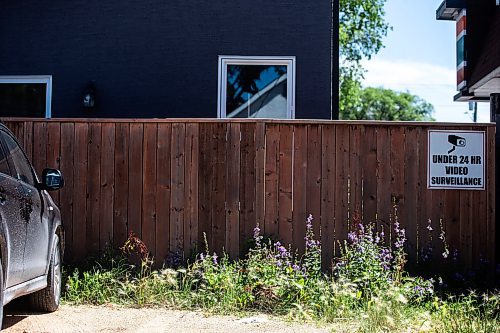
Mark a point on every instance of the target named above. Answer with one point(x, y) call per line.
point(361, 33)
point(387, 104)
point(362, 29)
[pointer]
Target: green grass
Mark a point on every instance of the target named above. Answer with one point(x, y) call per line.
point(369, 291)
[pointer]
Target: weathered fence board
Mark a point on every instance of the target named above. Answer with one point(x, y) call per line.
point(171, 181)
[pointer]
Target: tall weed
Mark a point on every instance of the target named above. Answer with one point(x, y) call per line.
point(369, 290)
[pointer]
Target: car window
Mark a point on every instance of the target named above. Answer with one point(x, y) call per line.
point(19, 164)
point(4, 165)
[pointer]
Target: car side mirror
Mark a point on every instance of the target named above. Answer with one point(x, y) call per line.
point(52, 179)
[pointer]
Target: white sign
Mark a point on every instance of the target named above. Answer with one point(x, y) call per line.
point(456, 160)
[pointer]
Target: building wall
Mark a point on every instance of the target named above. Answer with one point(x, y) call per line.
point(157, 58)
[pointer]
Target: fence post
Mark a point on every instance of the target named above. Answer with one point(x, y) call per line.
point(495, 117)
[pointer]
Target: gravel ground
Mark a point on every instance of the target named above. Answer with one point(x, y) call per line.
point(112, 318)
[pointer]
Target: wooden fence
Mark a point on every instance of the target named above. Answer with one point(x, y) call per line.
point(170, 181)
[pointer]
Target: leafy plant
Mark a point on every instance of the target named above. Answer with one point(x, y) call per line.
point(369, 282)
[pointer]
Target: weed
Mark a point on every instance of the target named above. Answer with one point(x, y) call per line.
point(369, 281)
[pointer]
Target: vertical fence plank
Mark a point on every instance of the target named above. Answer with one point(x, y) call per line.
point(205, 182)
point(409, 213)
point(94, 187)
point(120, 199)
point(369, 173)
point(299, 186)
point(341, 209)
point(328, 195)
point(436, 203)
point(67, 192)
point(135, 178)
point(355, 174)
point(260, 158)
point(384, 204)
point(177, 167)
point(107, 185)
point(285, 227)
point(313, 179)
point(423, 197)
point(80, 191)
point(247, 185)
point(219, 169)
point(191, 176)
point(233, 191)
point(149, 187)
point(271, 174)
point(397, 177)
point(471, 252)
point(163, 192)
point(451, 219)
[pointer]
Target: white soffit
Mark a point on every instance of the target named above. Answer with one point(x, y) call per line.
point(488, 84)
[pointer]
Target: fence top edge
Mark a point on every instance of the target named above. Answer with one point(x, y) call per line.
point(267, 121)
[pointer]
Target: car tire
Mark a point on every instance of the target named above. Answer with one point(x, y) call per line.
point(47, 299)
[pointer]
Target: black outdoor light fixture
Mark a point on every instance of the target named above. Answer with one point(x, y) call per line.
point(450, 9)
point(89, 96)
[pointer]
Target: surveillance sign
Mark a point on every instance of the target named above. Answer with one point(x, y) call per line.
point(456, 160)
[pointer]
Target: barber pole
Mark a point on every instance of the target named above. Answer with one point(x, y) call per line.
point(461, 56)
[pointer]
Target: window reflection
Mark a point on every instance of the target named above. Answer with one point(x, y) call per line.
point(256, 91)
point(4, 166)
point(18, 161)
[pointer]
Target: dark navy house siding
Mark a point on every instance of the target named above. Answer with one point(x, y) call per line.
point(158, 58)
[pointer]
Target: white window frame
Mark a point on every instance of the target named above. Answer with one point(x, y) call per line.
point(224, 61)
point(47, 79)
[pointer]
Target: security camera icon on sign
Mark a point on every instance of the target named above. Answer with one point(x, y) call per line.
point(456, 141)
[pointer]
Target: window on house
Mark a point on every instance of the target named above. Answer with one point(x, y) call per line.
point(25, 96)
point(256, 87)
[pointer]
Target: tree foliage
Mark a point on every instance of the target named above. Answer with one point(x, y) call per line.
point(387, 104)
point(361, 32)
point(362, 28)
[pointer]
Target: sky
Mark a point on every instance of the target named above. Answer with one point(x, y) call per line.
point(419, 57)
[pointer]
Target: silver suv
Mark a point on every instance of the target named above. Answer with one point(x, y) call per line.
point(31, 234)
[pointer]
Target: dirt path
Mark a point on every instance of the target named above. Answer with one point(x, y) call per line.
point(117, 319)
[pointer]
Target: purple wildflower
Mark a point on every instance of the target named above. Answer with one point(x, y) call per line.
point(282, 251)
point(309, 222)
point(400, 236)
point(352, 237)
point(256, 232)
point(385, 257)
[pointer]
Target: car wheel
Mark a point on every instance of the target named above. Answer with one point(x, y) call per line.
point(47, 300)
